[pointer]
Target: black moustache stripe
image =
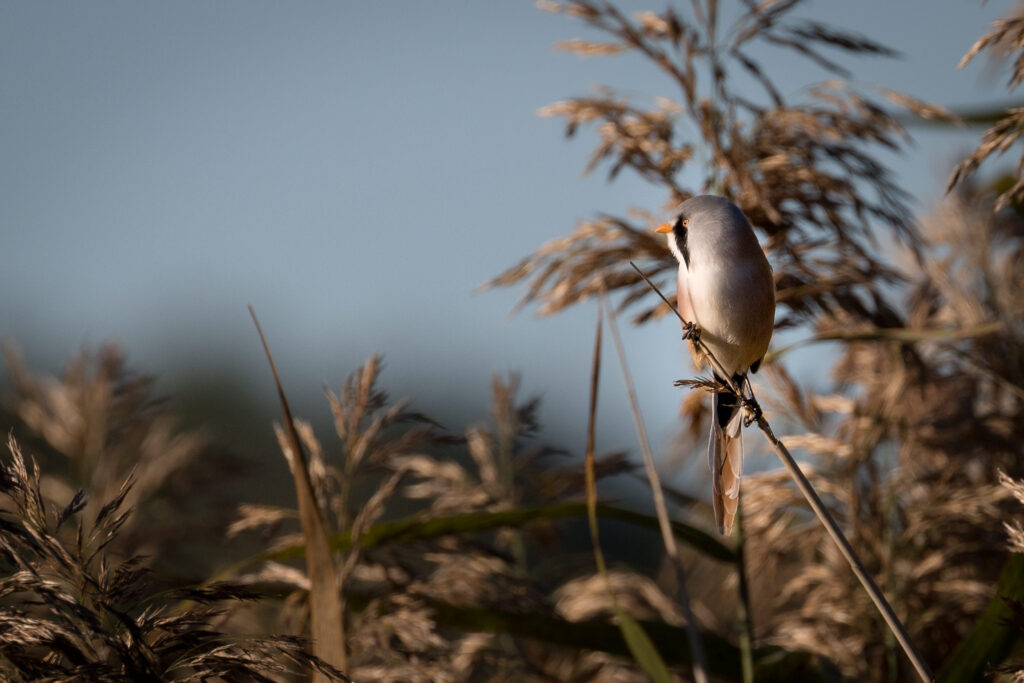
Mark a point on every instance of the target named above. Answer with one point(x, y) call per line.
point(680, 234)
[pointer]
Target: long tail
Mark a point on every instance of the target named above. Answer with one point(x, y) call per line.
point(725, 458)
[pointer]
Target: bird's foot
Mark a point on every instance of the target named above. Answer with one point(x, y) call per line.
point(753, 413)
point(691, 332)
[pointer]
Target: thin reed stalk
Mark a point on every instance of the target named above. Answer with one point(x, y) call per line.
point(858, 568)
point(640, 645)
point(746, 621)
point(671, 549)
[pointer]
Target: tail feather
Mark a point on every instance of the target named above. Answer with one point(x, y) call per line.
point(725, 456)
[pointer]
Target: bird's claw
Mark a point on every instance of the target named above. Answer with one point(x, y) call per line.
point(691, 332)
point(753, 413)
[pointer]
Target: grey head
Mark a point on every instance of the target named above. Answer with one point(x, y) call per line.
point(708, 224)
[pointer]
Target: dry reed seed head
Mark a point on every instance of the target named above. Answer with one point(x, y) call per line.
point(480, 445)
point(473, 571)
point(455, 568)
point(1004, 42)
point(277, 573)
point(512, 419)
point(1005, 38)
point(471, 578)
point(323, 484)
point(370, 513)
point(71, 611)
point(374, 432)
point(374, 507)
point(1014, 486)
point(587, 598)
point(263, 517)
point(285, 541)
point(499, 456)
point(359, 397)
point(804, 172)
point(588, 48)
point(285, 445)
point(1014, 529)
point(104, 419)
point(397, 632)
point(1015, 536)
point(447, 485)
point(919, 435)
point(373, 429)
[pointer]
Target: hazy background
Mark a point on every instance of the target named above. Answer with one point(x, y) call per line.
point(354, 171)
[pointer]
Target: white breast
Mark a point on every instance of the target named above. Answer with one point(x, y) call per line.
point(734, 305)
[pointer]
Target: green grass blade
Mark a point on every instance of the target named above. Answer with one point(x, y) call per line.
point(640, 646)
point(409, 529)
point(992, 637)
point(642, 649)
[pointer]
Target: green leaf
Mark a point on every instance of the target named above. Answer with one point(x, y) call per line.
point(992, 637)
point(643, 650)
point(411, 529)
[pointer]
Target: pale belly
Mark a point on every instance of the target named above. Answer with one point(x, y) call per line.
point(735, 312)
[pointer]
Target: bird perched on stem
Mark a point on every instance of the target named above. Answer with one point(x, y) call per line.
point(727, 292)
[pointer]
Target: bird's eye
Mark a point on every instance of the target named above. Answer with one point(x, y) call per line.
point(686, 222)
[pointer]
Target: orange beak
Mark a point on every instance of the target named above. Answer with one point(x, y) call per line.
point(664, 227)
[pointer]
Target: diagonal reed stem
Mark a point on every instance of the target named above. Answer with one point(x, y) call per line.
point(671, 549)
point(858, 568)
point(847, 550)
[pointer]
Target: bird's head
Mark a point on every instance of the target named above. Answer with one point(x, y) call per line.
point(677, 230)
point(705, 217)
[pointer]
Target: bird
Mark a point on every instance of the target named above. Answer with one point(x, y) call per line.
point(727, 291)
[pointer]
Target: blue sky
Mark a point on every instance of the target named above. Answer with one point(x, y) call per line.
point(354, 171)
